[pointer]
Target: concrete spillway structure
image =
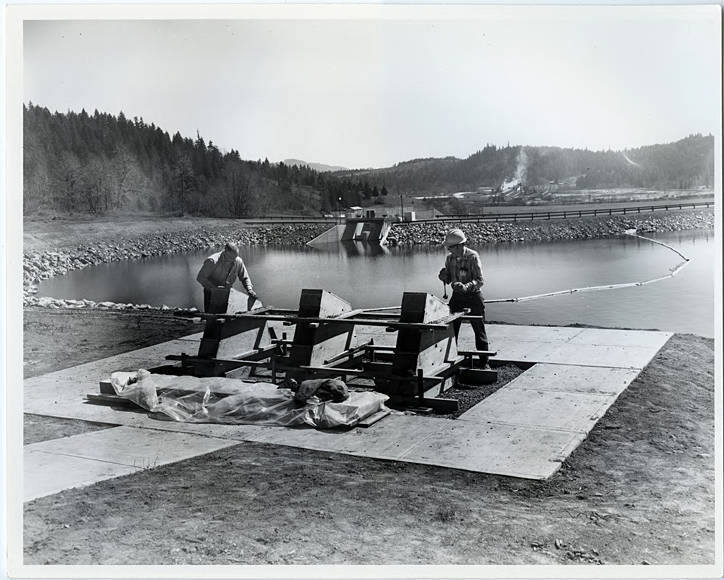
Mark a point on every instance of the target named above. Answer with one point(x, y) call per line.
point(366, 230)
point(356, 230)
point(332, 235)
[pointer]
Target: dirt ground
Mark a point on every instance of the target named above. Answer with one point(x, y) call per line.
point(56, 232)
point(59, 339)
point(639, 490)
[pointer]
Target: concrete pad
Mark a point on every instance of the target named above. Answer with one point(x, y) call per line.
point(596, 355)
point(132, 446)
point(523, 351)
point(47, 474)
point(196, 337)
point(513, 333)
point(525, 430)
point(498, 449)
point(574, 379)
point(51, 466)
point(388, 439)
point(636, 338)
point(541, 409)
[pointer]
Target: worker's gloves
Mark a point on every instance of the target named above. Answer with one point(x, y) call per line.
point(458, 287)
point(252, 294)
point(444, 276)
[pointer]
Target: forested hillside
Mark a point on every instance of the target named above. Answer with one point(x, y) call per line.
point(684, 164)
point(101, 163)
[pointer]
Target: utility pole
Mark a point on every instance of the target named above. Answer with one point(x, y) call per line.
point(402, 208)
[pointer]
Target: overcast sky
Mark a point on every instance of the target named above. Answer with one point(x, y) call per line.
point(362, 93)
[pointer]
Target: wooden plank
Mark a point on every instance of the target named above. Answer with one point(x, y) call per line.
point(478, 376)
point(234, 362)
point(316, 302)
point(439, 404)
point(372, 419)
point(105, 399)
point(420, 404)
point(314, 342)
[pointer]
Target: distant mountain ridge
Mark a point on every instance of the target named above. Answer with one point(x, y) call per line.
point(321, 167)
point(683, 164)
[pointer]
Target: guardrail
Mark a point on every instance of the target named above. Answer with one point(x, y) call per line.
point(466, 218)
point(561, 214)
point(288, 220)
point(290, 217)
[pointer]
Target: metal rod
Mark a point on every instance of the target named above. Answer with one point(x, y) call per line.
point(347, 321)
point(335, 370)
point(381, 308)
point(349, 353)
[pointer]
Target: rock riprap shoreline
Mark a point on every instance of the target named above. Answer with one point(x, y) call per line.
point(38, 266)
point(556, 230)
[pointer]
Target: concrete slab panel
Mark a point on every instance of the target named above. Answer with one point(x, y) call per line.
point(387, 439)
point(523, 351)
point(132, 446)
point(498, 449)
point(510, 332)
point(192, 338)
point(638, 338)
point(574, 379)
point(634, 357)
point(47, 474)
point(541, 409)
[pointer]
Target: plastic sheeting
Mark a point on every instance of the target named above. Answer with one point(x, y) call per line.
point(221, 400)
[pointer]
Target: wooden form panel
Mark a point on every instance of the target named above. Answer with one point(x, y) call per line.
point(227, 338)
point(315, 343)
point(428, 349)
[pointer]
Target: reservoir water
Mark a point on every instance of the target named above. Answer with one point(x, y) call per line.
point(374, 276)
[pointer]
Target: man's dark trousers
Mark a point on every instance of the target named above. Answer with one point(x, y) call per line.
point(474, 302)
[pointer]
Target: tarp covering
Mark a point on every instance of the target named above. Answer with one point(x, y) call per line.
point(221, 400)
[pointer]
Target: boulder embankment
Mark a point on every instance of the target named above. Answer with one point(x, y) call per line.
point(41, 265)
point(555, 230)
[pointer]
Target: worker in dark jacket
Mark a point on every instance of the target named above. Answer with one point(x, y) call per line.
point(464, 272)
point(220, 270)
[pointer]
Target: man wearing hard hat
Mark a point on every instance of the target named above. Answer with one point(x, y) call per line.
point(464, 272)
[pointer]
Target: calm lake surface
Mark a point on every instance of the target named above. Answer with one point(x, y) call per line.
point(373, 276)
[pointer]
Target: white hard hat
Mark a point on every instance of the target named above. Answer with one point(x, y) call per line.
point(454, 237)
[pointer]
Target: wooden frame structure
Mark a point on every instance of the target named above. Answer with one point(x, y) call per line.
point(423, 363)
